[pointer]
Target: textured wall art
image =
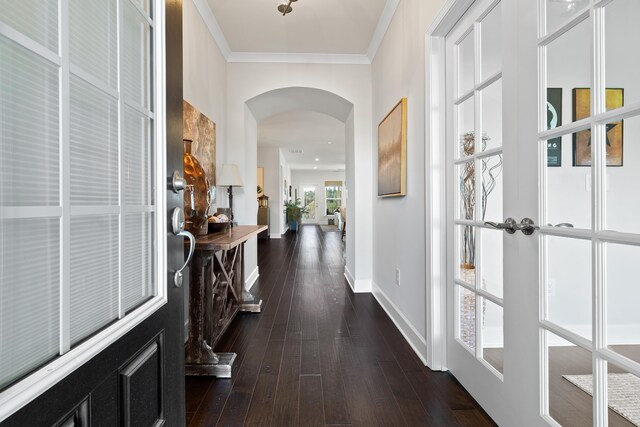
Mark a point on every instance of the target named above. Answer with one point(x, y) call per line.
point(392, 152)
point(202, 131)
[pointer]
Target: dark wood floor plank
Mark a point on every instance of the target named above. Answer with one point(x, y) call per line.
point(261, 407)
point(311, 407)
point(320, 355)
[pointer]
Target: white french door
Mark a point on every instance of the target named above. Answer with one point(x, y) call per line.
point(543, 325)
point(492, 296)
point(310, 202)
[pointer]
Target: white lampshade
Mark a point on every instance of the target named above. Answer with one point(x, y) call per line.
point(229, 176)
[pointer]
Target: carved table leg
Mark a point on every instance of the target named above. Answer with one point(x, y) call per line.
point(200, 358)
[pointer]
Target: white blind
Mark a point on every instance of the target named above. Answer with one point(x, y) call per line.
point(77, 154)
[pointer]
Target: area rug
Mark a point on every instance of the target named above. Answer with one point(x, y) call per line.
point(329, 228)
point(624, 393)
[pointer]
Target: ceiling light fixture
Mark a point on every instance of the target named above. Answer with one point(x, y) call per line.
point(315, 167)
point(317, 159)
point(285, 7)
point(329, 142)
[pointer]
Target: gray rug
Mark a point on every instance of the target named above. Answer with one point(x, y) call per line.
point(329, 228)
point(624, 393)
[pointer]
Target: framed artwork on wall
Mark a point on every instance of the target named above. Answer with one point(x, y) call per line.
point(614, 131)
point(554, 120)
point(392, 152)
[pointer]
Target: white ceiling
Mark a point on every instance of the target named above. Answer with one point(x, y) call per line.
point(326, 27)
point(309, 131)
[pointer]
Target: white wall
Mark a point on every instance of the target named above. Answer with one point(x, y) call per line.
point(204, 82)
point(399, 235)
point(317, 178)
point(351, 82)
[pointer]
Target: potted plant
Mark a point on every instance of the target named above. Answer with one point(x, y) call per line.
point(294, 211)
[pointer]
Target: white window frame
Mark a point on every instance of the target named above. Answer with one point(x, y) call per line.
point(332, 198)
point(36, 383)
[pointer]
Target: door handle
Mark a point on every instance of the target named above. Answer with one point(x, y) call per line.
point(527, 226)
point(509, 225)
point(177, 225)
point(178, 183)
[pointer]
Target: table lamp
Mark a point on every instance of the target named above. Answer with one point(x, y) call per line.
point(230, 177)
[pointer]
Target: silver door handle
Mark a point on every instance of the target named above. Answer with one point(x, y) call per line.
point(562, 225)
point(177, 225)
point(527, 226)
point(509, 225)
point(178, 183)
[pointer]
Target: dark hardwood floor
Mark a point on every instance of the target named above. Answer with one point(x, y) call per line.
point(318, 355)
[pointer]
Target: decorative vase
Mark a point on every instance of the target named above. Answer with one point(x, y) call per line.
point(196, 195)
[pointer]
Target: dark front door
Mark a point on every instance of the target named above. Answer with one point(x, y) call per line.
point(137, 380)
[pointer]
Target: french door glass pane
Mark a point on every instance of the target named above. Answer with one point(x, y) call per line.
point(568, 284)
point(466, 252)
point(623, 316)
point(467, 190)
point(560, 11)
point(623, 150)
point(568, 364)
point(466, 127)
point(93, 145)
point(569, 67)
point(37, 19)
point(492, 256)
point(94, 274)
point(568, 189)
point(491, 196)
point(492, 116)
point(93, 42)
point(621, 26)
point(467, 317)
point(492, 334)
point(144, 5)
point(466, 67)
point(29, 295)
point(136, 52)
point(623, 393)
point(29, 147)
point(491, 31)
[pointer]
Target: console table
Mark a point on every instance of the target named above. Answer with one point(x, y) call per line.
point(216, 295)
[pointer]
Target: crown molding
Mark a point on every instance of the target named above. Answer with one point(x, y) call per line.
point(381, 29)
point(299, 58)
point(212, 24)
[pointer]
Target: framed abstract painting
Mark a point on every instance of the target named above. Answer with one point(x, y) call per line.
point(392, 152)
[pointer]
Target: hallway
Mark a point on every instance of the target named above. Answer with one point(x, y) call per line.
point(320, 355)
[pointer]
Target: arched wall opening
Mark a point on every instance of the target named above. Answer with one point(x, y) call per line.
point(358, 195)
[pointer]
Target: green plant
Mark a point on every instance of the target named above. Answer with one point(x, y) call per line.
point(294, 210)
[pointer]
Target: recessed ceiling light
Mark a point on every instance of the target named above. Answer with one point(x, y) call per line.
point(317, 159)
point(315, 167)
point(329, 142)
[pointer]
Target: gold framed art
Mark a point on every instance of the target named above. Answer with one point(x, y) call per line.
point(392, 152)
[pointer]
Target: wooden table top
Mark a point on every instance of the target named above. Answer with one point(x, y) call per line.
point(225, 240)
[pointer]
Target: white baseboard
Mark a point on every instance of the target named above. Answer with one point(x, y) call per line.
point(251, 280)
point(275, 236)
point(417, 342)
point(357, 286)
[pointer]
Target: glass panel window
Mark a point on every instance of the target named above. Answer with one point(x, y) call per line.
point(492, 116)
point(569, 368)
point(568, 284)
point(569, 68)
point(466, 249)
point(492, 334)
point(492, 256)
point(561, 11)
point(621, 26)
point(333, 196)
point(309, 202)
point(466, 128)
point(466, 317)
point(466, 65)
point(491, 30)
point(568, 189)
point(36, 19)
